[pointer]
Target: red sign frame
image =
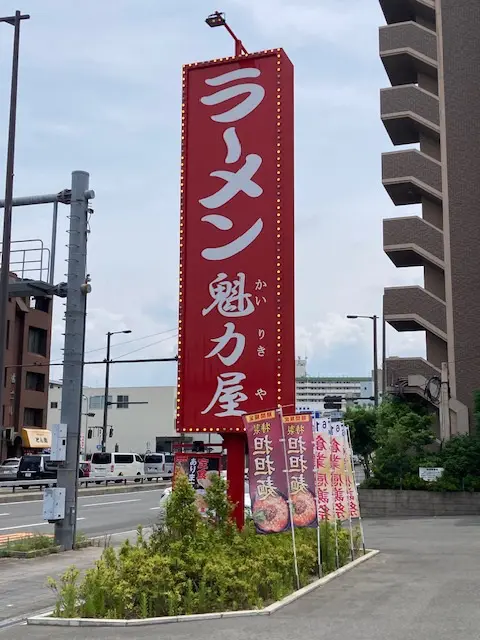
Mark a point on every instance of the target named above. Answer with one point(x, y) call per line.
point(236, 317)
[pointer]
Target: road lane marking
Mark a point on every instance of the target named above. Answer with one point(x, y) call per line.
point(102, 504)
point(25, 526)
point(154, 508)
point(4, 514)
point(80, 497)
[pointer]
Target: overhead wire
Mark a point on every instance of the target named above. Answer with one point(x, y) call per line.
point(119, 344)
point(152, 344)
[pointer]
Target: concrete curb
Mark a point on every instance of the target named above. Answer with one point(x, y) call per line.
point(45, 619)
point(97, 491)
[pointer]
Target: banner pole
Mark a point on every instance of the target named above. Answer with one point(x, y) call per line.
point(332, 498)
point(360, 523)
point(290, 506)
point(349, 475)
point(319, 539)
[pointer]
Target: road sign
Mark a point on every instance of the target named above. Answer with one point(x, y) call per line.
point(99, 447)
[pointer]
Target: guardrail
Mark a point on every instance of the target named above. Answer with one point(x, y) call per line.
point(26, 483)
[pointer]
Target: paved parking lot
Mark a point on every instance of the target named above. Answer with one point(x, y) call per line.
point(423, 586)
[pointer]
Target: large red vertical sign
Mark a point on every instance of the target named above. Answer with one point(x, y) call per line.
point(236, 326)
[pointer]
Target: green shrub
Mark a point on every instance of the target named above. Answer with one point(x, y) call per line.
point(198, 565)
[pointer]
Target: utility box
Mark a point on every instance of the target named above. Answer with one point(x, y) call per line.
point(54, 504)
point(59, 443)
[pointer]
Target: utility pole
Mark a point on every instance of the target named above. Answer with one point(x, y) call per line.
point(77, 289)
point(107, 385)
point(105, 397)
point(384, 357)
point(7, 214)
point(375, 360)
point(444, 407)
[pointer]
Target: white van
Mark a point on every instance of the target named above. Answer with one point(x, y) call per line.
point(160, 464)
point(116, 464)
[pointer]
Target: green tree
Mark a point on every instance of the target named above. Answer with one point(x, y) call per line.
point(476, 411)
point(363, 422)
point(219, 508)
point(402, 433)
point(182, 517)
point(461, 457)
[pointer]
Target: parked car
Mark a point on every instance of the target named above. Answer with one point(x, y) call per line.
point(84, 469)
point(9, 469)
point(160, 464)
point(116, 464)
point(36, 467)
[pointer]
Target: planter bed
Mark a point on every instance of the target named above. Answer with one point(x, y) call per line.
point(47, 619)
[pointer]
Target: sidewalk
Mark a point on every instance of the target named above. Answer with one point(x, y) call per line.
point(423, 585)
point(23, 582)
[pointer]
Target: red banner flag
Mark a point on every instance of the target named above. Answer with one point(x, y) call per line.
point(267, 477)
point(298, 430)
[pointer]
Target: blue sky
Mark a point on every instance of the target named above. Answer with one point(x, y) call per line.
point(99, 90)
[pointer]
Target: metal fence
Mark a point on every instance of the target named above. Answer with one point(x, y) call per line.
point(139, 479)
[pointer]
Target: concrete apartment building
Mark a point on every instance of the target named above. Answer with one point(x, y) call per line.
point(24, 411)
point(431, 53)
point(311, 390)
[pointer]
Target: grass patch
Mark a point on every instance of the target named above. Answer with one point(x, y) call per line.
point(196, 565)
point(36, 542)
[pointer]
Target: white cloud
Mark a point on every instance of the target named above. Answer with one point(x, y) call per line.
point(325, 335)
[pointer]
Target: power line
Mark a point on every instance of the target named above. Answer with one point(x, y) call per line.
point(119, 344)
point(145, 347)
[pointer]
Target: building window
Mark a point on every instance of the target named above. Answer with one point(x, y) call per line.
point(37, 341)
point(35, 381)
point(33, 417)
point(122, 402)
point(53, 405)
point(96, 402)
point(42, 304)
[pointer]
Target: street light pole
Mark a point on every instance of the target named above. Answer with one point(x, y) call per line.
point(107, 383)
point(374, 319)
point(7, 213)
point(105, 398)
point(375, 360)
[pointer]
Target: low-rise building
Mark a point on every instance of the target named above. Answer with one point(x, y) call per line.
point(25, 397)
point(140, 419)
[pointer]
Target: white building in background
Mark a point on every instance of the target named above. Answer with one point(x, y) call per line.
point(311, 390)
point(146, 426)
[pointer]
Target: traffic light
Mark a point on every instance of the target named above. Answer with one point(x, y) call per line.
point(110, 432)
point(89, 434)
point(332, 402)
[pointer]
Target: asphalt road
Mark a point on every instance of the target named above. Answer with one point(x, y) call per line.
point(422, 586)
point(97, 515)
